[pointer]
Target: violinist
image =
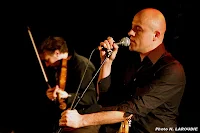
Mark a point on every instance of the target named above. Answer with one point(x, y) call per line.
point(65, 69)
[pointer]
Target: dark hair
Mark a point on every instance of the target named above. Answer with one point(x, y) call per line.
point(53, 43)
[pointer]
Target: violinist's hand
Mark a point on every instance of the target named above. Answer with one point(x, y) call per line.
point(71, 118)
point(110, 45)
point(52, 93)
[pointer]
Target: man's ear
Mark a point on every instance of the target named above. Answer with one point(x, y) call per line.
point(56, 53)
point(156, 35)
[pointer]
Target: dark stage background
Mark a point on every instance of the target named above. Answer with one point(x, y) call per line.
point(83, 24)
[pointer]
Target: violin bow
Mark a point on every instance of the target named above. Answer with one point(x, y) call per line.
point(38, 57)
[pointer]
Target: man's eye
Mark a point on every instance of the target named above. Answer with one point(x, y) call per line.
point(138, 29)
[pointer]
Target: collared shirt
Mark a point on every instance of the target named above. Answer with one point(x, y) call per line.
point(155, 92)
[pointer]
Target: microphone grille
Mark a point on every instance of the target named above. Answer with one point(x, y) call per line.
point(125, 41)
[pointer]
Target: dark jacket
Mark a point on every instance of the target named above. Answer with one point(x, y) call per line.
point(78, 67)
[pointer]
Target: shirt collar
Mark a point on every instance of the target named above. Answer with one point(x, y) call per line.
point(155, 54)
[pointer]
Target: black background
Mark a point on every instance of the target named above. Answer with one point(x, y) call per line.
point(83, 24)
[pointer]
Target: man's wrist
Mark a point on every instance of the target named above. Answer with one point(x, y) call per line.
point(83, 122)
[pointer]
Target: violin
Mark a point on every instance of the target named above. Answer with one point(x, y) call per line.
point(124, 128)
point(62, 83)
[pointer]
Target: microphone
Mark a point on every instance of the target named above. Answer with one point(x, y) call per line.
point(125, 41)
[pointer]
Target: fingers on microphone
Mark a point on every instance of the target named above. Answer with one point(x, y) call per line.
point(115, 46)
point(110, 40)
point(99, 48)
point(102, 45)
point(107, 45)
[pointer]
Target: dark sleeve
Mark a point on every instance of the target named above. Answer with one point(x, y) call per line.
point(104, 84)
point(89, 91)
point(167, 83)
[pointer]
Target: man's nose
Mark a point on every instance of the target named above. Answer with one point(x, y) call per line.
point(131, 33)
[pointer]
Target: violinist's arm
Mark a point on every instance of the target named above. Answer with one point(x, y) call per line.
point(52, 93)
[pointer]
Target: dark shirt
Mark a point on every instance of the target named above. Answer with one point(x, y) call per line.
point(155, 91)
point(123, 69)
point(76, 69)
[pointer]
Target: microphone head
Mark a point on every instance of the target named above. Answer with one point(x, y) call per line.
point(125, 41)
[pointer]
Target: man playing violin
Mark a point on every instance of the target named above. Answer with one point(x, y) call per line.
point(67, 72)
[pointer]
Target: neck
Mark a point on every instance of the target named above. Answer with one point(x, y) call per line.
point(142, 55)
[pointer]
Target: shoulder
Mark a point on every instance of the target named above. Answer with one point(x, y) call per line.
point(168, 61)
point(170, 67)
point(82, 60)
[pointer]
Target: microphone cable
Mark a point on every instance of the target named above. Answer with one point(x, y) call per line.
point(76, 94)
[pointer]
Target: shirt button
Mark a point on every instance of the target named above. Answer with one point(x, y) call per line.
point(134, 79)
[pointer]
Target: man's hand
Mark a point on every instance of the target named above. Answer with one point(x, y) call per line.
point(71, 118)
point(52, 93)
point(110, 45)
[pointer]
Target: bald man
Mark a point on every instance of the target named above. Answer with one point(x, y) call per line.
point(154, 92)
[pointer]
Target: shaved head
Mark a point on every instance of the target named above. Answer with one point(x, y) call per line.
point(148, 30)
point(153, 18)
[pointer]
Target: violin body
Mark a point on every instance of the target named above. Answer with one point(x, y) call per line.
point(62, 83)
point(124, 128)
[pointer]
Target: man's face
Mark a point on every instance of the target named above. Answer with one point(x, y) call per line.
point(141, 36)
point(50, 59)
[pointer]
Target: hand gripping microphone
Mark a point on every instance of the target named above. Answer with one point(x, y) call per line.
point(125, 41)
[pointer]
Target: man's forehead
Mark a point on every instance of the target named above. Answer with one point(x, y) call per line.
point(139, 21)
point(136, 21)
